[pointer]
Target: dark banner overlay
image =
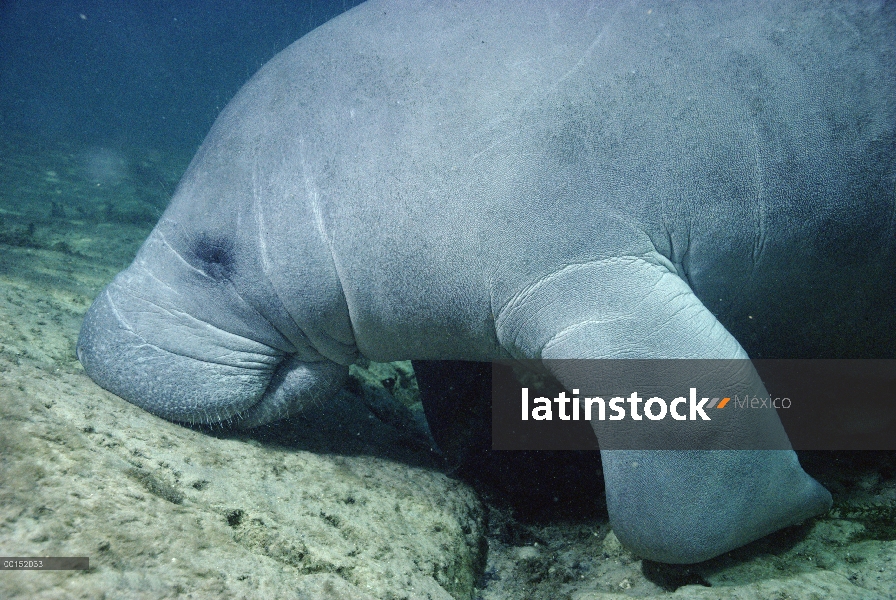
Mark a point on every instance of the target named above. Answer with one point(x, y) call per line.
point(804, 404)
point(44, 563)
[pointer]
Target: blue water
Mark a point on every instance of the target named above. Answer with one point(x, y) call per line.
point(144, 73)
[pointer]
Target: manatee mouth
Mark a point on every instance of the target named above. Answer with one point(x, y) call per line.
point(294, 386)
point(181, 369)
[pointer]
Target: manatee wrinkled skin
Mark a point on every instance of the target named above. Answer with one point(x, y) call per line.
point(528, 180)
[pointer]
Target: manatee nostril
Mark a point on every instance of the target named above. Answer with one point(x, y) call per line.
point(215, 254)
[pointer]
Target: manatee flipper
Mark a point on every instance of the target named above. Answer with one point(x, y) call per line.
point(674, 506)
point(454, 395)
point(679, 506)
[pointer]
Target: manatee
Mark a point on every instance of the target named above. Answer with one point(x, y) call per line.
point(522, 180)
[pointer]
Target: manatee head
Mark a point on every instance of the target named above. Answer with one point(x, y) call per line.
point(194, 331)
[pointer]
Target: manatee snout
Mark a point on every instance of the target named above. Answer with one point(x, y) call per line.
point(186, 370)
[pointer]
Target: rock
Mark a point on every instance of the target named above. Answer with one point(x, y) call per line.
point(164, 510)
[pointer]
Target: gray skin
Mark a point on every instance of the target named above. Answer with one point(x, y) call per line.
point(533, 180)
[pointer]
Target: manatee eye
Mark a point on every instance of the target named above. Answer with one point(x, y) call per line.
point(215, 256)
